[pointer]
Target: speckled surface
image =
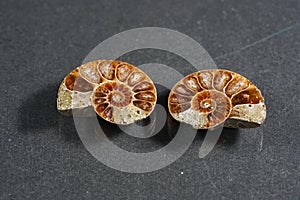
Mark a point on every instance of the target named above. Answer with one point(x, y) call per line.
point(42, 156)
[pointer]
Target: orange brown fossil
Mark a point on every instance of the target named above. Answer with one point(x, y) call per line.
point(207, 98)
point(119, 92)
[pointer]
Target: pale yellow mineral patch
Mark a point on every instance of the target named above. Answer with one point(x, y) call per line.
point(207, 98)
point(118, 92)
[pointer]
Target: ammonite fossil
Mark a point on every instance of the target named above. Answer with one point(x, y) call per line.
point(205, 99)
point(119, 92)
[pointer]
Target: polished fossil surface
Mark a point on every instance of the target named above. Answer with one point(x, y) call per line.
point(119, 92)
point(208, 98)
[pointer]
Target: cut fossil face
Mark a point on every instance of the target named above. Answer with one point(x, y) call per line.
point(207, 98)
point(118, 92)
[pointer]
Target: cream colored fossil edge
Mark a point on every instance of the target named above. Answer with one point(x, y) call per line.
point(242, 116)
point(248, 110)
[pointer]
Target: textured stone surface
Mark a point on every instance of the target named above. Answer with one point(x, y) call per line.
point(207, 98)
point(119, 92)
point(41, 154)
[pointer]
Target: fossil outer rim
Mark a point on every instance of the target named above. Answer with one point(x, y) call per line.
point(78, 103)
point(243, 115)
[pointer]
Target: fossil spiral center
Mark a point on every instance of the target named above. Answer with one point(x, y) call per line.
point(117, 97)
point(120, 96)
point(208, 104)
point(208, 101)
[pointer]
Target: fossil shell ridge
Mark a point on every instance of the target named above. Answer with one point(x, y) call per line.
point(207, 98)
point(118, 92)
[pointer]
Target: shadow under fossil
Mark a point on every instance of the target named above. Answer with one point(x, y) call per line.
point(38, 113)
point(228, 136)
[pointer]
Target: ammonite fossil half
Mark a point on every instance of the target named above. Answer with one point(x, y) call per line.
point(119, 92)
point(205, 99)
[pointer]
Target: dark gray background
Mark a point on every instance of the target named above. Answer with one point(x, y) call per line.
point(42, 156)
